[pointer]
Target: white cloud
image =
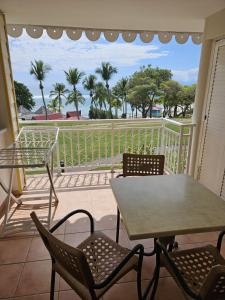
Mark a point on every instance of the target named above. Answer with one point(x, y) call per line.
point(85, 55)
point(185, 75)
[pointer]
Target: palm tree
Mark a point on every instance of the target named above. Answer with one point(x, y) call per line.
point(120, 90)
point(75, 98)
point(100, 95)
point(39, 69)
point(53, 105)
point(116, 103)
point(106, 71)
point(89, 85)
point(59, 91)
point(74, 76)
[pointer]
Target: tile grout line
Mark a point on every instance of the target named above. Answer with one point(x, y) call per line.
point(23, 267)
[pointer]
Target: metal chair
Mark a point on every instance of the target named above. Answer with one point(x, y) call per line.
point(139, 165)
point(92, 267)
point(199, 272)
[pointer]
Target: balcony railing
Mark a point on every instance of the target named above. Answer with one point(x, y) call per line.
point(92, 145)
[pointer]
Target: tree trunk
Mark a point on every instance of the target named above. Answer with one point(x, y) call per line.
point(136, 113)
point(44, 103)
point(77, 110)
point(150, 110)
point(76, 103)
point(125, 100)
point(60, 103)
point(109, 100)
point(116, 112)
point(175, 111)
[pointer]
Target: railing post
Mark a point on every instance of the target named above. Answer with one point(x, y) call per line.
point(162, 146)
point(189, 148)
point(180, 146)
point(58, 157)
point(112, 148)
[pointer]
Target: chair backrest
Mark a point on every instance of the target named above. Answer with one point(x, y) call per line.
point(71, 260)
point(142, 165)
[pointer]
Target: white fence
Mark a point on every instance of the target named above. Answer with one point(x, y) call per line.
point(100, 144)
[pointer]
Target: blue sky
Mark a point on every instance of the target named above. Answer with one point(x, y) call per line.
point(181, 59)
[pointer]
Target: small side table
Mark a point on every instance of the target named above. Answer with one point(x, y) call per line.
point(33, 148)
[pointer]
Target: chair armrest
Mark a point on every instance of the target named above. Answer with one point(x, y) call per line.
point(138, 249)
point(161, 249)
point(59, 223)
point(214, 283)
point(119, 175)
point(220, 239)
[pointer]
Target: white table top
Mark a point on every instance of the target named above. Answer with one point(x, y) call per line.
point(163, 205)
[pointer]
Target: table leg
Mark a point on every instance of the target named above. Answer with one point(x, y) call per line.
point(8, 199)
point(154, 281)
point(52, 190)
point(16, 200)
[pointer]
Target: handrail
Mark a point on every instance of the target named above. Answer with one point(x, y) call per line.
point(96, 143)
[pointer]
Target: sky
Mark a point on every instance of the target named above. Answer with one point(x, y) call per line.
point(62, 54)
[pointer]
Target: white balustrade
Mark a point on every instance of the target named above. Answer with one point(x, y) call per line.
point(98, 143)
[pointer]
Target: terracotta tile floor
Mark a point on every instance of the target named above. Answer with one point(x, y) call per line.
point(25, 264)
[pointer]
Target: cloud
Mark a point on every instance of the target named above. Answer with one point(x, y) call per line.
point(83, 54)
point(189, 75)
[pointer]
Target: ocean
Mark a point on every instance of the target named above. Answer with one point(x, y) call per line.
point(70, 107)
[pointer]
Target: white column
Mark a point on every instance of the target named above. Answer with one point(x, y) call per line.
point(200, 97)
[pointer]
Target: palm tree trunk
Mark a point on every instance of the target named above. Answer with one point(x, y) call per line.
point(76, 103)
point(109, 100)
point(43, 99)
point(110, 105)
point(125, 100)
point(59, 103)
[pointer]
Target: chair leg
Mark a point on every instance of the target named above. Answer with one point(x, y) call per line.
point(139, 273)
point(52, 283)
point(118, 226)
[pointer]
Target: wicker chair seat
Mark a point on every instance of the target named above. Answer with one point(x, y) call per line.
point(194, 265)
point(104, 255)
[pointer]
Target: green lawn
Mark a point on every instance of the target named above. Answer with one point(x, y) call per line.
point(92, 140)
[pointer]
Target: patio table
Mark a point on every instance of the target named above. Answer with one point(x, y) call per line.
point(167, 205)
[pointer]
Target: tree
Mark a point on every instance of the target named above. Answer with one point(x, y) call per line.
point(39, 69)
point(89, 85)
point(100, 95)
point(171, 97)
point(186, 98)
point(73, 77)
point(139, 98)
point(145, 88)
point(23, 96)
point(106, 71)
point(59, 91)
point(53, 105)
point(116, 103)
point(120, 90)
point(76, 98)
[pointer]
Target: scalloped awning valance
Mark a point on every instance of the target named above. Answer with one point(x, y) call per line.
point(110, 35)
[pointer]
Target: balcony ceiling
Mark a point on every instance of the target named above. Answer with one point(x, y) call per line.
point(160, 15)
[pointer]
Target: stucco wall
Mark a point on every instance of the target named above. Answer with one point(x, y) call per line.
point(214, 30)
point(8, 113)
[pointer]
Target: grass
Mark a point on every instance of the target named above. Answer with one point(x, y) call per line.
point(93, 141)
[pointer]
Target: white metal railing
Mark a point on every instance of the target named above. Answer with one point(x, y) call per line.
point(98, 143)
